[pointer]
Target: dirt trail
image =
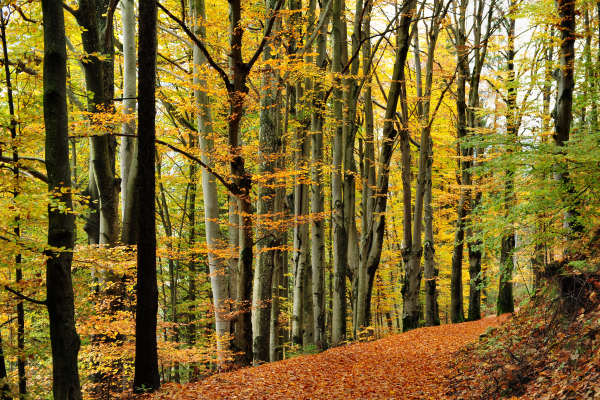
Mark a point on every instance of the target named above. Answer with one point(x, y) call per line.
point(411, 365)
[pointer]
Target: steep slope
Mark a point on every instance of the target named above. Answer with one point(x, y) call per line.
point(550, 350)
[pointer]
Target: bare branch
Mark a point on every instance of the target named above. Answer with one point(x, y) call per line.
point(24, 297)
point(200, 45)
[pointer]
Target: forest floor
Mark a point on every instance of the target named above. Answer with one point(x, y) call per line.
point(411, 365)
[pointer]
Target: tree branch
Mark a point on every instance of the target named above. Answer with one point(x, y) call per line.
point(201, 46)
point(266, 36)
point(229, 186)
point(31, 171)
point(24, 297)
point(71, 10)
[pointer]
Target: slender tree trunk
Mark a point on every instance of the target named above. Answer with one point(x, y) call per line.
point(4, 386)
point(95, 18)
point(563, 114)
point(278, 292)
point(505, 288)
point(538, 260)
point(21, 362)
point(351, 93)
point(340, 237)
point(368, 176)
point(317, 198)
point(127, 151)
point(297, 112)
point(269, 145)
point(476, 278)
point(373, 242)
point(61, 225)
point(219, 270)
point(146, 375)
point(242, 182)
point(463, 175)
point(411, 312)
point(430, 272)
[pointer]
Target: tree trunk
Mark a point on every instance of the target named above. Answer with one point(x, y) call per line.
point(563, 114)
point(127, 151)
point(97, 38)
point(430, 272)
point(317, 198)
point(4, 386)
point(411, 312)
point(21, 362)
point(368, 175)
point(242, 183)
point(351, 93)
point(61, 225)
point(463, 175)
point(373, 243)
point(270, 150)
point(146, 375)
point(219, 270)
point(340, 237)
point(505, 295)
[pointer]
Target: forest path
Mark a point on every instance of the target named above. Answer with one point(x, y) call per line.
point(410, 365)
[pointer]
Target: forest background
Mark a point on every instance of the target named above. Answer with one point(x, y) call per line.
point(322, 171)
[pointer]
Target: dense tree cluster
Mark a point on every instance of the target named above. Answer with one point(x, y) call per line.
point(242, 181)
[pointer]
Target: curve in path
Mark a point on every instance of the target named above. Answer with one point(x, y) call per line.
point(410, 365)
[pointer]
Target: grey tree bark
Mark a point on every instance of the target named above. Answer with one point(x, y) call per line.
point(479, 50)
point(96, 17)
point(218, 265)
point(4, 384)
point(373, 242)
point(350, 127)
point(317, 198)
point(340, 252)
point(467, 121)
point(269, 151)
point(368, 173)
point(463, 176)
point(412, 279)
point(127, 151)
point(297, 112)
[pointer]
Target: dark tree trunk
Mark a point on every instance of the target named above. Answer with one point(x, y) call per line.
point(17, 228)
point(146, 376)
point(4, 386)
point(61, 226)
point(563, 114)
point(463, 175)
point(475, 286)
point(505, 301)
point(95, 17)
point(456, 290)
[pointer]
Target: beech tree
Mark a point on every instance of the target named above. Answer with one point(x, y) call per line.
point(146, 353)
point(61, 221)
